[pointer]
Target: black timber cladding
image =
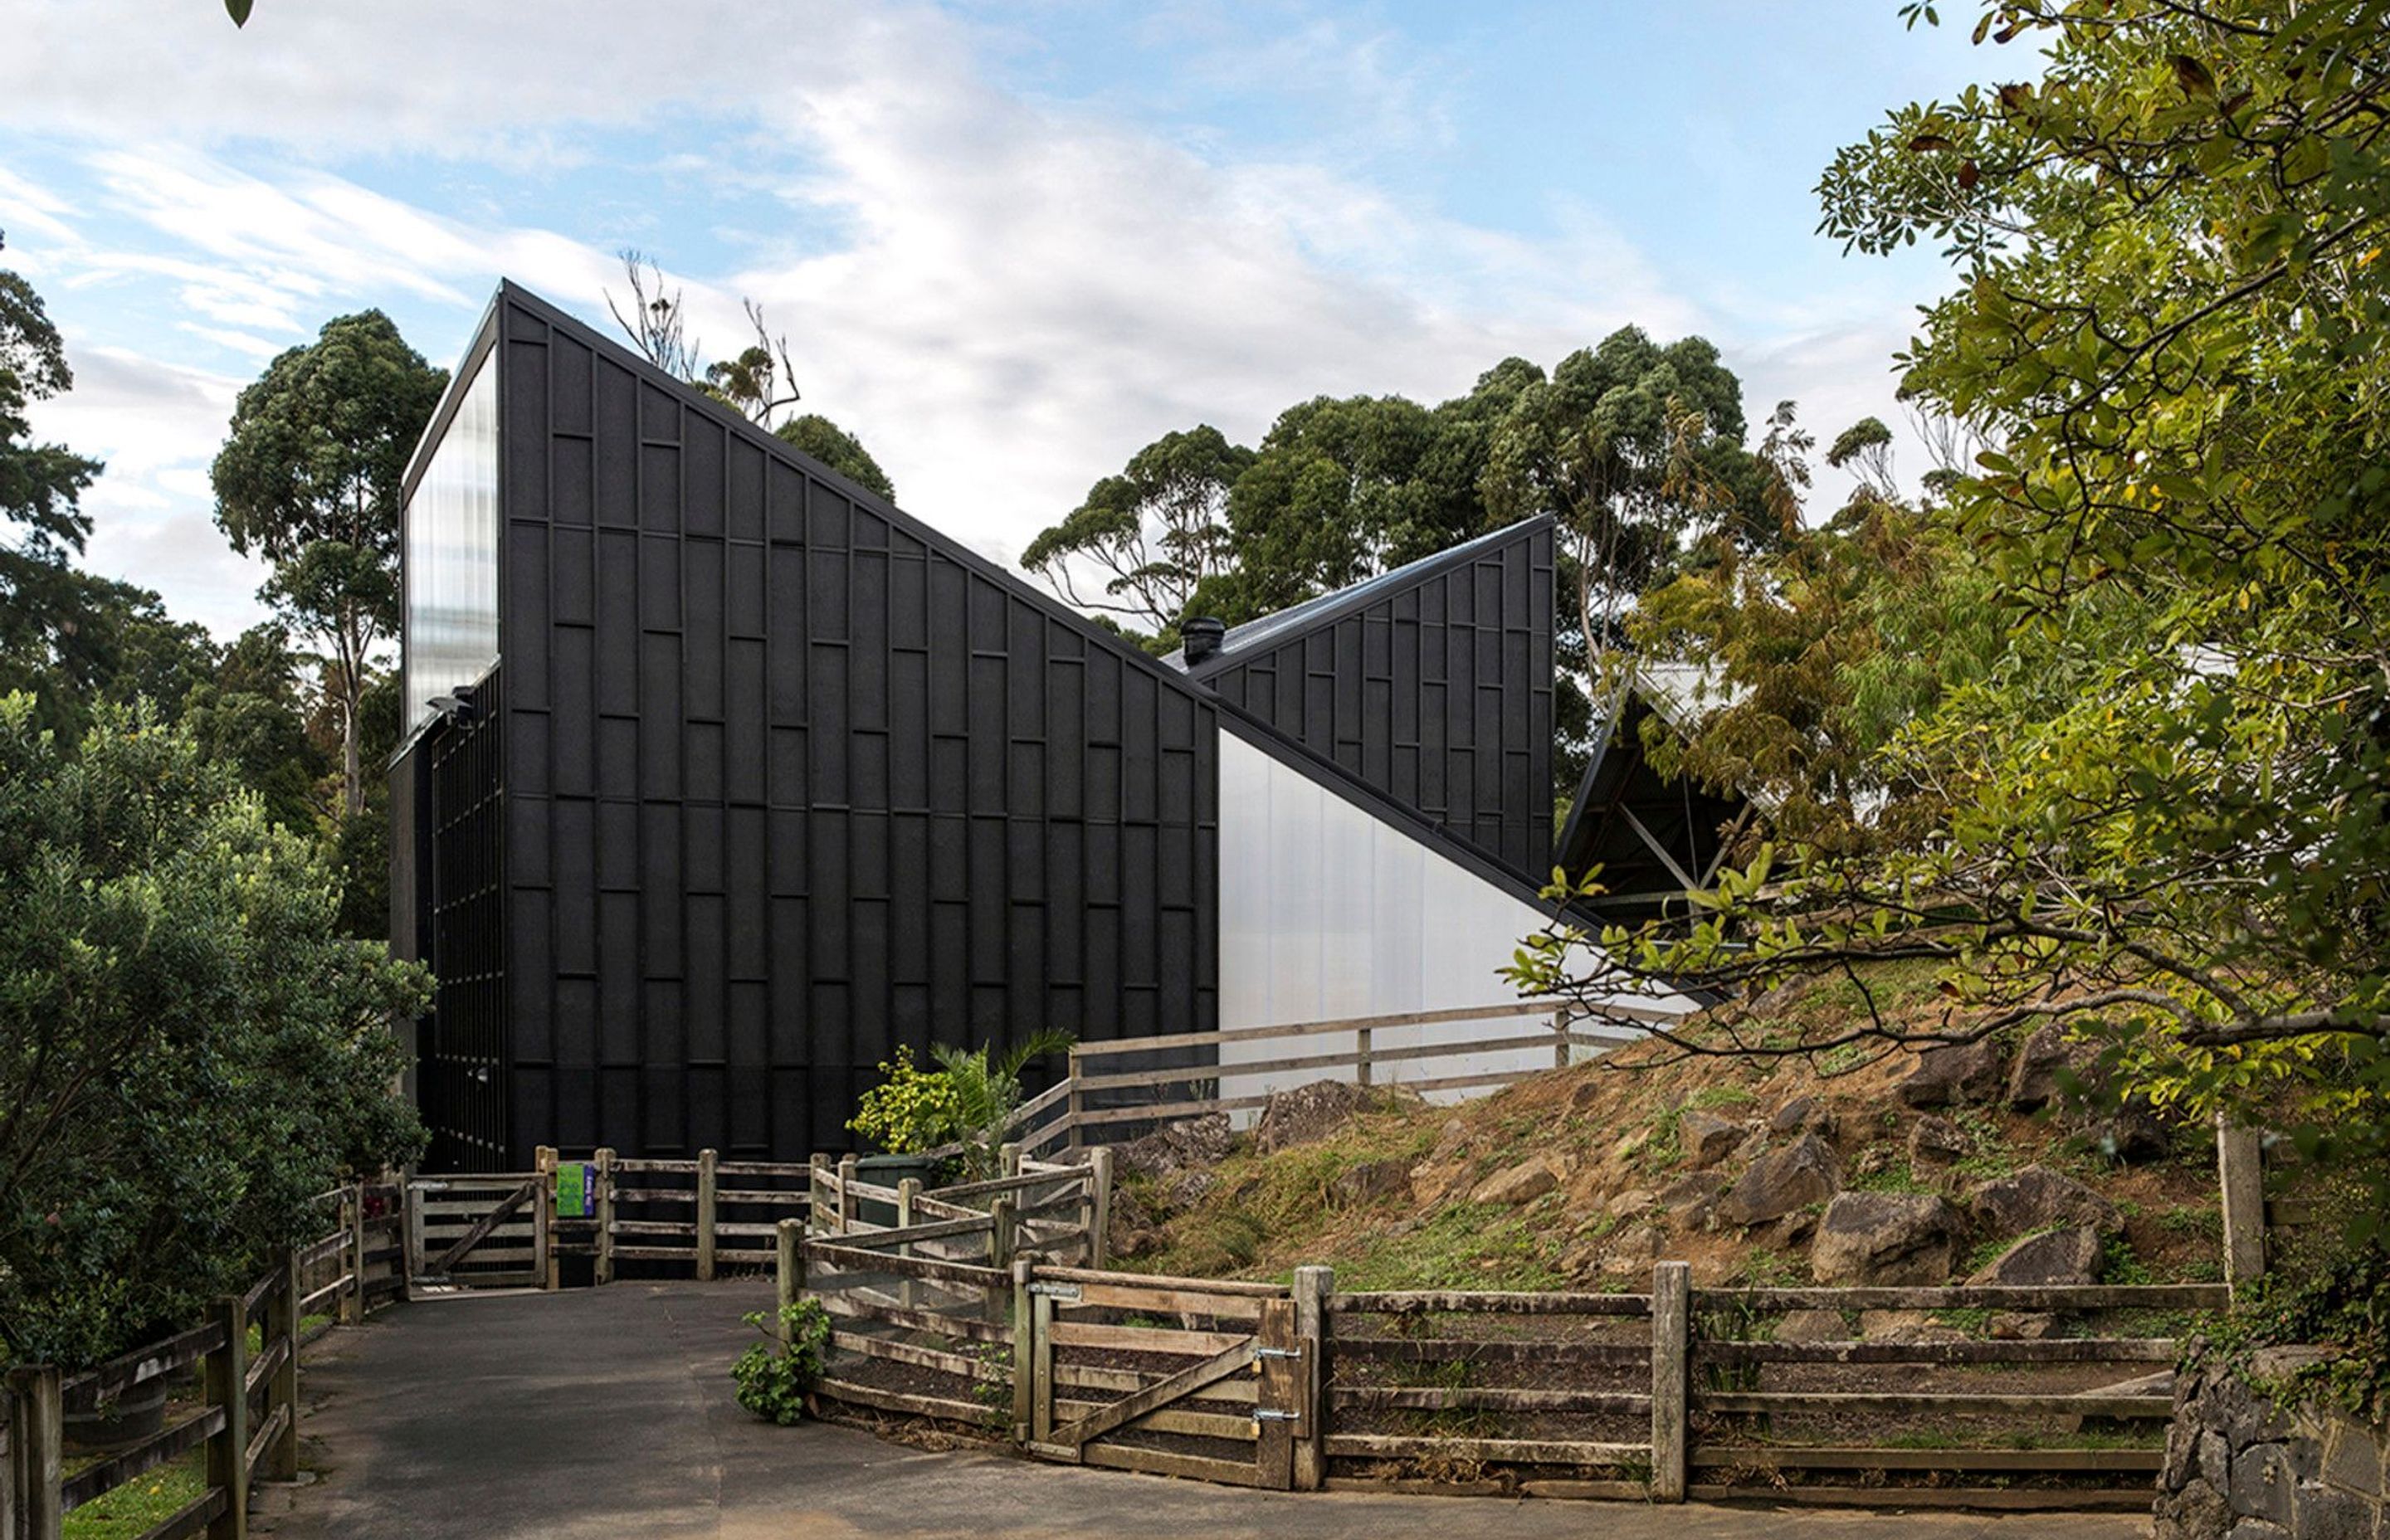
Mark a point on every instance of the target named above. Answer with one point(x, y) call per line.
point(1431, 685)
point(463, 1060)
point(1650, 837)
point(794, 780)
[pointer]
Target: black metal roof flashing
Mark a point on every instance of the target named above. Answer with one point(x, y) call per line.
point(1654, 838)
point(1240, 642)
point(771, 443)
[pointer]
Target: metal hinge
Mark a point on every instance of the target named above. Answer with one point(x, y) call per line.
point(1278, 1353)
point(1270, 1414)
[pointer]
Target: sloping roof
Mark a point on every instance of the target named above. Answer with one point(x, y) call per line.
point(1654, 837)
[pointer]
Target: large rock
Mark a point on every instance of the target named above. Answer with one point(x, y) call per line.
point(2034, 1081)
point(1523, 1183)
point(1953, 1072)
point(1690, 1197)
point(1802, 1115)
point(1369, 1182)
point(1203, 1141)
point(1937, 1141)
point(1781, 1181)
point(1885, 1240)
point(2054, 1259)
point(1708, 1138)
point(2038, 1199)
point(1308, 1112)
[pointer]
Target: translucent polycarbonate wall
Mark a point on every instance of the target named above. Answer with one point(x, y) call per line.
point(451, 554)
point(1326, 912)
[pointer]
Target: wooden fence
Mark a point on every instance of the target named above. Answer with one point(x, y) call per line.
point(246, 1418)
point(1672, 1393)
point(1180, 1074)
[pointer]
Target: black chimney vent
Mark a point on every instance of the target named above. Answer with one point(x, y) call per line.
point(1200, 636)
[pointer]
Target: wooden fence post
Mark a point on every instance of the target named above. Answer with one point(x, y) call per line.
point(788, 1264)
point(1361, 1070)
point(1277, 1400)
point(1560, 1038)
point(1074, 1105)
point(1002, 1239)
point(1671, 1384)
point(1041, 1369)
point(1313, 1286)
point(705, 1216)
point(2241, 1172)
point(603, 1272)
point(1099, 1214)
point(846, 1214)
point(228, 1391)
point(909, 1292)
point(816, 1169)
point(36, 1451)
point(282, 1391)
point(544, 1259)
point(411, 1205)
point(1007, 1160)
point(353, 1211)
point(1024, 1371)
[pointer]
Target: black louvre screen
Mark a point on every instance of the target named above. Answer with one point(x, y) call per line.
point(463, 1070)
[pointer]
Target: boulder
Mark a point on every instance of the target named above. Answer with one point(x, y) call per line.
point(1708, 1138)
point(2033, 1079)
point(2054, 1259)
point(1369, 1182)
point(2037, 1198)
point(1906, 1325)
point(2130, 1135)
point(1523, 1183)
point(2197, 1512)
point(1937, 1141)
point(1308, 1113)
point(1800, 1174)
point(1690, 1197)
point(1885, 1240)
point(1954, 1072)
point(1634, 1200)
point(1188, 1144)
point(1802, 1115)
point(2020, 1326)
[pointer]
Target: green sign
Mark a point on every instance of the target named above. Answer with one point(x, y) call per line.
point(573, 1189)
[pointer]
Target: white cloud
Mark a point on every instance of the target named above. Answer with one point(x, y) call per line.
point(1020, 294)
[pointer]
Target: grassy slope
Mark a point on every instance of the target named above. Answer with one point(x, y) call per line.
point(1612, 1127)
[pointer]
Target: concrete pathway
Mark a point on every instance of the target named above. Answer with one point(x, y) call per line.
point(608, 1412)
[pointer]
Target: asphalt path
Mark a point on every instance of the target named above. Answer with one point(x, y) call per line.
point(608, 1412)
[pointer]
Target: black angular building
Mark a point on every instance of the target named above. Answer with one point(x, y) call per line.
point(723, 779)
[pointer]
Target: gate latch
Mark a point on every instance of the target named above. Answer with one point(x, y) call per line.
point(1278, 1353)
point(1271, 1414)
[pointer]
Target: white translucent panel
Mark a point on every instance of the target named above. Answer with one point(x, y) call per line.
point(1328, 912)
point(450, 551)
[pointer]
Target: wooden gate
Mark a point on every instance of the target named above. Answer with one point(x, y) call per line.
point(1222, 1395)
point(480, 1231)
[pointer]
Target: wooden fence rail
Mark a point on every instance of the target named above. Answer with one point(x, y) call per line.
point(1644, 1396)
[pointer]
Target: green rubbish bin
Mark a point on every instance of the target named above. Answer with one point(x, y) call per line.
point(886, 1171)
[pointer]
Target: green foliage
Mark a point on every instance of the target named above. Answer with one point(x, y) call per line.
point(814, 434)
point(2151, 806)
point(1157, 532)
point(775, 1377)
point(911, 1110)
point(190, 1051)
point(986, 1088)
point(2344, 1302)
point(310, 479)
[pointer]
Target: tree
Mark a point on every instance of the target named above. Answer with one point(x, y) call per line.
point(41, 485)
point(816, 435)
point(188, 1052)
point(311, 479)
point(1157, 531)
point(2161, 822)
point(250, 716)
point(759, 382)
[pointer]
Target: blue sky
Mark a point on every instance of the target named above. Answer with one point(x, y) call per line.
point(1010, 243)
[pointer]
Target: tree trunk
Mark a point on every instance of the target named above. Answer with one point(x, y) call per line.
point(353, 790)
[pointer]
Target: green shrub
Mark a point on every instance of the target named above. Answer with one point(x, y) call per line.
point(775, 1376)
point(910, 1111)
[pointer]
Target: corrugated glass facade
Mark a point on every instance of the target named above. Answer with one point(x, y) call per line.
point(451, 554)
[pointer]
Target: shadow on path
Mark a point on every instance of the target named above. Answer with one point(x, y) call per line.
point(608, 1412)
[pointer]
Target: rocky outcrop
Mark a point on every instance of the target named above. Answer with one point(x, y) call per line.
point(2035, 1079)
point(1370, 1182)
point(1886, 1239)
point(1937, 1141)
point(1954, 1072)
point(1180, 1159)
point(1523, 1183)
point(1309, 1112)
point(1708, 1138)
point(1781, 1181)
point(2037, 1198)
point(2051, 1260)
point(2237, 1468)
